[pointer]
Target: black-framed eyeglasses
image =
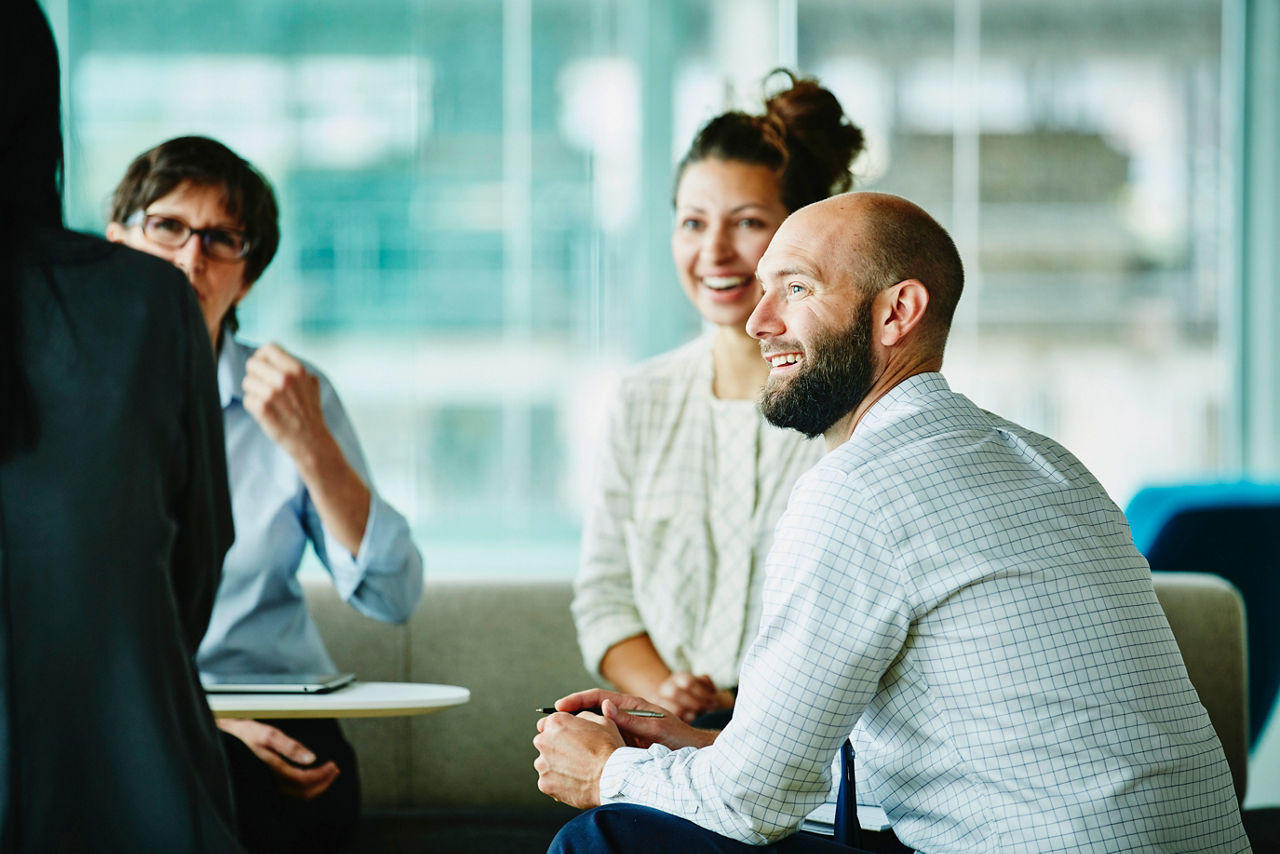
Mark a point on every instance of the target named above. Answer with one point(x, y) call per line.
point(225, 244)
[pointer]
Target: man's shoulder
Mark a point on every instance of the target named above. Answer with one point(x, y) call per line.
point(836, 482)
point(904, 442)
point(940, 443)
point(919, 411)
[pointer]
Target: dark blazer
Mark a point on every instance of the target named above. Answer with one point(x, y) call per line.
point(112, 534)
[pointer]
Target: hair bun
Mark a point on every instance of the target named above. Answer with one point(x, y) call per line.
point(821, 141)
point(803, 135)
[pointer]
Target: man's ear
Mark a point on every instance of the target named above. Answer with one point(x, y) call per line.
point(115, 232)
point(902, 306)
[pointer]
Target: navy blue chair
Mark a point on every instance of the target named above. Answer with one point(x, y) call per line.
point(1232, 530)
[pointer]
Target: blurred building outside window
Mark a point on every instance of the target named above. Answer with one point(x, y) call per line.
point(476, 210)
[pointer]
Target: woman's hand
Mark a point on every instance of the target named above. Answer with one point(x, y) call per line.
point(283, 755)
point(689, 696)
point(635, 667)
point(284, 398)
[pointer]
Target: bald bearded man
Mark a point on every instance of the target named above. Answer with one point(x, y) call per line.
point(956, 591)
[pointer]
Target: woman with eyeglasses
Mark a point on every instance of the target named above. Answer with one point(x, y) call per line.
point(297, 476)
point(691, 479)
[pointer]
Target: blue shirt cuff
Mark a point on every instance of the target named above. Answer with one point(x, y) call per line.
point(387, 565)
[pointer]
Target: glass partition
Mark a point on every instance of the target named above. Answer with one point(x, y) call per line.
point(476, 210)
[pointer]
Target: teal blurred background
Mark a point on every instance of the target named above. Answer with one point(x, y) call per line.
point(476, 201)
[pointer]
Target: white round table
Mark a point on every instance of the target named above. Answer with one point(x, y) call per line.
point(357, 700)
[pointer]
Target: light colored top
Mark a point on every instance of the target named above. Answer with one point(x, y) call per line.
point(966, 593)
point(688, 489)
point(260, 622)
point(358, 700)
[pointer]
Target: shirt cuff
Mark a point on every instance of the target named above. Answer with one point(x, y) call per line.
point(387, 560)
point(348, 568)
point(613, 778)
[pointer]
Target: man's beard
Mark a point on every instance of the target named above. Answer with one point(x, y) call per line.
point(834, 376)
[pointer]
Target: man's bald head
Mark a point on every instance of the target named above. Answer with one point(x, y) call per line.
point(882, 239)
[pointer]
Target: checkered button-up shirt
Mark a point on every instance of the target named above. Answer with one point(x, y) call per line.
point(688, 490)
point(961, 594)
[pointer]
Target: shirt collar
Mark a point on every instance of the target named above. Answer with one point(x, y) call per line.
point(231, 369)
point(910, 394)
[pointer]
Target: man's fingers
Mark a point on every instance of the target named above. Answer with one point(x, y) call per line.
point(589, 699)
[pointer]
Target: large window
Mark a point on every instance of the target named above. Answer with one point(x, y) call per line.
point(1074, 151)
point(476, 206)
point(476, 203)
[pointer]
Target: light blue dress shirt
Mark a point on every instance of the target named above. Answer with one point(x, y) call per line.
point(260, 622)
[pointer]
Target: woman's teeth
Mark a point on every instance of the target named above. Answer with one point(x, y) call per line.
point(724, 283)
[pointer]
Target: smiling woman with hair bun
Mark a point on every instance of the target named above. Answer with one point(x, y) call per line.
point(690, 479)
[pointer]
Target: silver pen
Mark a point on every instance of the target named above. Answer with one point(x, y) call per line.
point(639, 713)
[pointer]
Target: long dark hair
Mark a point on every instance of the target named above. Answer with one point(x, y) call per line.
point(803, 135)
point(31, 163)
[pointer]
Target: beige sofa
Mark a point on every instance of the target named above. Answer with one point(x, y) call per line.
point(463, 779)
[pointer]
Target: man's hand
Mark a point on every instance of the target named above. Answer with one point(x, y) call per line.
point(637, 731)
point(572, 752)
point(284, 398)
point(283, 755)
point(689, 696)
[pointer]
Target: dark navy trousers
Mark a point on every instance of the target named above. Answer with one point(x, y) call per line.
point(631, 829)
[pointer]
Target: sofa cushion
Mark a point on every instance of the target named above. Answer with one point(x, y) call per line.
point(510, 642)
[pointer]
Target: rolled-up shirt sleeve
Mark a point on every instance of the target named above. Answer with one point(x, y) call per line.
point(383, 579)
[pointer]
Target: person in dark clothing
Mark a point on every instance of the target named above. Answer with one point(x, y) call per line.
point(114, 514)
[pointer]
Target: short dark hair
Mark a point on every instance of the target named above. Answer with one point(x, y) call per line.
point(904, 242)
point(246, 195)
point(803, 135)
